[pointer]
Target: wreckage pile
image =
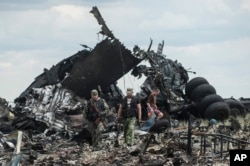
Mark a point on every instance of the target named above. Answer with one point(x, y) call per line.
point(50, 108)
point(54, 146)
point(47, 126)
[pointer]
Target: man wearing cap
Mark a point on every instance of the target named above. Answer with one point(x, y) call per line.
point(96, 114)
point(129, 108)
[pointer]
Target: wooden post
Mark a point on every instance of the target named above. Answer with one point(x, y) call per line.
point(19, 141)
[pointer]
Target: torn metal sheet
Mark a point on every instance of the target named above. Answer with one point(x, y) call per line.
point(107, 62)
point(51, 112)
point(52, 107)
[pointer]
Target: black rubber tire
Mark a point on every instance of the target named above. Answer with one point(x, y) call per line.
point(193, 83)
point(159, 126)
point(235, 112)
point(201, 91)
point(236, 104)
point(206, 101)
point(193, 110)
point(218, 110)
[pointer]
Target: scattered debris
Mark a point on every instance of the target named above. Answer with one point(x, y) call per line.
point(47, 126)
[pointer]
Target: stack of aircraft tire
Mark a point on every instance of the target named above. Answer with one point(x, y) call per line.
point(207, 103)
point(236, 107)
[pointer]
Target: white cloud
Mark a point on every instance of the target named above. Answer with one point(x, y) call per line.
point(211, 37)
point(74, 12)
point(19, 69)
point(43, 27)
point(224, 64)
point(217, 7)
point(246, 5)
point(5, 66)
point(168, 20)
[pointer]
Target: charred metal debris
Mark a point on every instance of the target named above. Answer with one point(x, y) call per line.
point(48, 125)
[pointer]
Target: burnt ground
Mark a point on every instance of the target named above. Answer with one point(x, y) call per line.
point(169, 148)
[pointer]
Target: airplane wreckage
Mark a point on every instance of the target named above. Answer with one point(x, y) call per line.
point(53, 105)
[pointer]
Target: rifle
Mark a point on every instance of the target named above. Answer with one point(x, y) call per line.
point(98, 112)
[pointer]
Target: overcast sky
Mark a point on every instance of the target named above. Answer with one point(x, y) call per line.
point(212, 37)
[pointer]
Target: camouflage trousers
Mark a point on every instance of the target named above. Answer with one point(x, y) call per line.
point(129, 129)
point(96, 133)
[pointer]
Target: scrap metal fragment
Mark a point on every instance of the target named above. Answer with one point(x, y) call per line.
point(100, 20)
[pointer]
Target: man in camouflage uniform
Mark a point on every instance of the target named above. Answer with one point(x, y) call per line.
point(129, 108)
point(96, 114)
